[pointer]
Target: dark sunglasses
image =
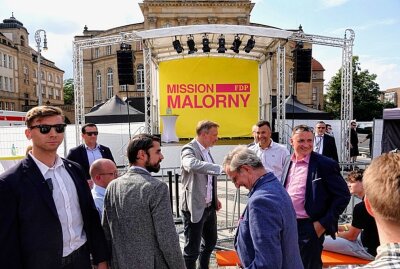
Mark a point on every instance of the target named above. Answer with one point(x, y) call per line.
point(92, 133)
point(45, 129)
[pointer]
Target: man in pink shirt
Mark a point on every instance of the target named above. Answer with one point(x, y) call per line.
point(318, 192)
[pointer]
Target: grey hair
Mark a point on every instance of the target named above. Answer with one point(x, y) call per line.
point(241, 155)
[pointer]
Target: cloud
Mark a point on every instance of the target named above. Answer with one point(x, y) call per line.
point(333, 3)
point(388, 73)
point(367, 26)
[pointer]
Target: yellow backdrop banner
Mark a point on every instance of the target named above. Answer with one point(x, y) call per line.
point(224, 90)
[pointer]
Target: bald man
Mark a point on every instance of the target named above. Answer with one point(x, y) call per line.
point(102, 172)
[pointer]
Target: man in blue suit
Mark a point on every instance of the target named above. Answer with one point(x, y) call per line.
point(267, 232)
point(85, 154)
point(319, 195)
point(48, 219)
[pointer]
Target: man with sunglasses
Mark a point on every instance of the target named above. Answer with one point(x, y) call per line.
point(48, 219)
point(102, 172)
point(319, 194)
point(324, 143)
point(85, 154)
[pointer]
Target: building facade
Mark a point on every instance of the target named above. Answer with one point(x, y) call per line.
point(18, 71)
point(393, 96)
point(100, 72)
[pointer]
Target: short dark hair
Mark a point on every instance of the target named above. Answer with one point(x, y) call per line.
point(140, 142)
point(355, 175)
point(301, 128)
point(262, 123)
point(87, 125)
point(42, 112)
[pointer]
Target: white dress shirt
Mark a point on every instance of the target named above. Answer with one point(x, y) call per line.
point(66, 201)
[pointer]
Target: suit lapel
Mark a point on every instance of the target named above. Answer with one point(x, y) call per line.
point(312, 170)
point(77, 182)
point(34, 175)
point(84, 154)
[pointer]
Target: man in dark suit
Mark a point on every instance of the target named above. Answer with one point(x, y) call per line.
point(48, 219)
point(85, 154)
point(318, 192)
point(324, 143)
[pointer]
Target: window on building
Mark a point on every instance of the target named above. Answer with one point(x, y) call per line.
point(22, 41)
point(6, 87)
point(10, 62)
point(123, 88)
point(57, 79)
point(314, 90)
point(11, 85)
point(12, 106)
point(57, 93)
point(42, 75)
point(140, 77)
point(4, 60)
point(1, 83)
point(108, 50)
point(43, 91)
point(99, 97)
point(50, 78)
point(97, 52)
point(110, 83)
point(5, 105)
point(1, 57)
point(138, 45)
point(1, 105)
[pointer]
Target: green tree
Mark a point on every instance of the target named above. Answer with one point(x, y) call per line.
point(69, 91)
point(366, 102)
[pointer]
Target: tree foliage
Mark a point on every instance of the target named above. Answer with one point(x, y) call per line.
point(69, 91)
point(366, 101)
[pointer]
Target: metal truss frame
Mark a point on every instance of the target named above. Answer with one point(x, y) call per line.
point(346, 114)
point(345, 43)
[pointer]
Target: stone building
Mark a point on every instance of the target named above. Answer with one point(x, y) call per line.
point(100, 74)
point(392, 95)
point(18, 71)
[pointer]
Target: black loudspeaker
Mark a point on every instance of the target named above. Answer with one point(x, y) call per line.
point(125, 61)
point(303, 66)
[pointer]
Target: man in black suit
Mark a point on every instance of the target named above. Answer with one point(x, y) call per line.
point(48, 219)
point(85, 154)
point(324, 143)
point(319, 195)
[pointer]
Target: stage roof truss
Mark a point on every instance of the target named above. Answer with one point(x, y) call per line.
point(158, 47)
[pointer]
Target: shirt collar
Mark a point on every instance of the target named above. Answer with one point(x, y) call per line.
point(202, 148)
point(95, 148)
point(305, 159)
point(44, 168)
point(270, 145)
point(133, 167)
point(98, 189)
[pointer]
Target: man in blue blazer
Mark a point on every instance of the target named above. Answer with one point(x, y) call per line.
point(48, 219)
point(319, 195)
point(85, 154)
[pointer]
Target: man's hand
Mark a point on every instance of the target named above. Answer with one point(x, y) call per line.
point(219, 205)
point(319, 229)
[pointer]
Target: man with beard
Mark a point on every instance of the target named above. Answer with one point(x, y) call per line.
point(137, 216)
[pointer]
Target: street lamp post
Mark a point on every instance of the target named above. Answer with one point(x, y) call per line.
point(39, 73)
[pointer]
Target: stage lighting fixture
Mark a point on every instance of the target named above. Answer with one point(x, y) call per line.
point(206, 43)
point(177, 45)
point(191, 45)
point(250, 44)
point(221, 44)
point(236, 44)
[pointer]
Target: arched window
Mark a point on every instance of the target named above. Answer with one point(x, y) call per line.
point(110, 83)
point(140, 77)
point(99, 97)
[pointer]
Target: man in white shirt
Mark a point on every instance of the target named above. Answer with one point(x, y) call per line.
point(47, 216)
point(102, 172)
point(272, 154)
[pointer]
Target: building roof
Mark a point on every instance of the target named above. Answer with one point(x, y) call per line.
point(11, 23)
point(316, 66)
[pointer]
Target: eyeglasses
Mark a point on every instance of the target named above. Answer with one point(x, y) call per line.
point(45, 129)
point(115, 174)
point(92, 133)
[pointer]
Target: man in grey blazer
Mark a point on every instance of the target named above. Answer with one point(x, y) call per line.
point(137, 216)
point(199, 195)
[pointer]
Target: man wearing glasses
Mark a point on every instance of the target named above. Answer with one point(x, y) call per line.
point(323, 143)
point(319, 195)
point(85, 154)
point(102, 172)
point(47, 216)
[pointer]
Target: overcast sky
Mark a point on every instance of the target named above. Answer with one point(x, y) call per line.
point(376, 25)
